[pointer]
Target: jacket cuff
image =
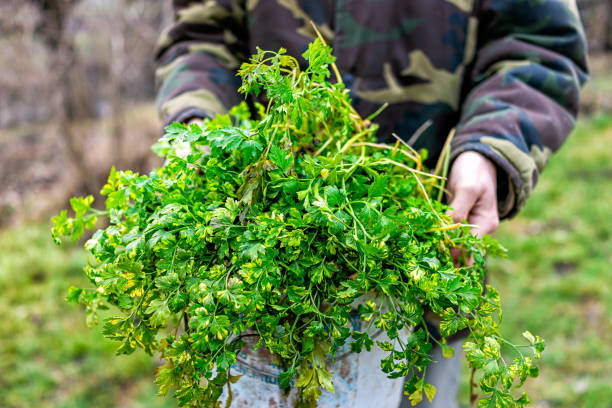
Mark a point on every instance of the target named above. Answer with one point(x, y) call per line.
point(185, 115)
point(198, 103)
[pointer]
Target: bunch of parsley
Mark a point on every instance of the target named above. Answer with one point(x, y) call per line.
point(278, 226)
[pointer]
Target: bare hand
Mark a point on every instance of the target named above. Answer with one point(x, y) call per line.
point(472, 186)
point(195, 120)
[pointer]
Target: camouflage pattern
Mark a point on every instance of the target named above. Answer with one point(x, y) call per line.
point(505, 73)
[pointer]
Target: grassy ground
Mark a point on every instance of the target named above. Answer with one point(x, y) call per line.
point(48, 357)
point(556, 283)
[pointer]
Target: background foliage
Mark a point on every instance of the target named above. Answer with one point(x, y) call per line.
point(556, 281)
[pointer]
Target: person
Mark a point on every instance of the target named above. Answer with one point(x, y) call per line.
point(506, 74)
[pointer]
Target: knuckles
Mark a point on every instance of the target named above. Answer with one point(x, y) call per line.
point(469, 188)
point(493, 224)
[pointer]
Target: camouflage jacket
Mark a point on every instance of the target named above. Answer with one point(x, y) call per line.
point(505, 73)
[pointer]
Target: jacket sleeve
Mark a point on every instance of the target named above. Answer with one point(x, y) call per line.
point(197, 57)
point(523, 96)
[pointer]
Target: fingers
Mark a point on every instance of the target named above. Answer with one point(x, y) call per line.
point(486, 220)
point(196, 120)
point(463, 201)
point(484, 213)
point(472, 185)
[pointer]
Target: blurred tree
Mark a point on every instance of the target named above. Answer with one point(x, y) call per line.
point(597, 16)
point(72, 74)
point(97, 55)
point(53, 32)
point(118, 66)
point(23, 63)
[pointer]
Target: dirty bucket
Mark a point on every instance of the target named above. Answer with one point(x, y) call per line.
point(358, 379)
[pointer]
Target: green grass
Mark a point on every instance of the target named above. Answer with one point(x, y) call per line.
point(556, 283)
point(48, 356)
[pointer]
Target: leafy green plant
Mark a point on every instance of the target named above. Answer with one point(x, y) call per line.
point(277, 227)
